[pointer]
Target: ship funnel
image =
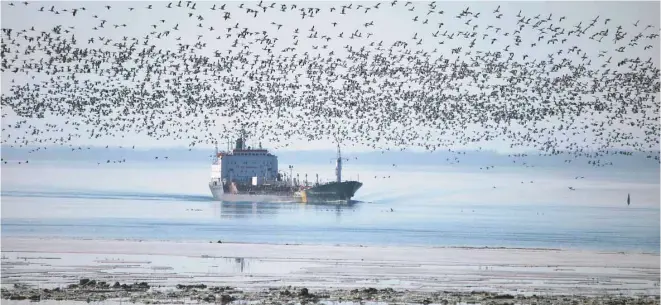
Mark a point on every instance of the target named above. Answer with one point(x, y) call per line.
point(241, 141)
point(239, 144)
point(338, 165)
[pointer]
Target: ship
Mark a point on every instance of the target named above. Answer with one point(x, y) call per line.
point(247, 174)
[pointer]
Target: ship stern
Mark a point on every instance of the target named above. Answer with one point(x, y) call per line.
point(216, 191)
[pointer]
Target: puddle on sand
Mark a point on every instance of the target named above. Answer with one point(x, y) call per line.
point(203, 264)
point(58, 270)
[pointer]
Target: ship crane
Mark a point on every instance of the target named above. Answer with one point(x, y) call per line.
point(338, 165)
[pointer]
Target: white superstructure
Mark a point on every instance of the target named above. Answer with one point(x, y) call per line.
point(244, 165)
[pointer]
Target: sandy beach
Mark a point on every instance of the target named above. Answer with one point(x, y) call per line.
point(332, 271)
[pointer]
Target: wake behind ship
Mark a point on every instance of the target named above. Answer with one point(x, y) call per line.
point(252, 175)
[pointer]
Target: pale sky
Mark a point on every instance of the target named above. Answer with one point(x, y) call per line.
point(390, 24)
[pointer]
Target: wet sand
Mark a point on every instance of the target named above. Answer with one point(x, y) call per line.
point(339, 273)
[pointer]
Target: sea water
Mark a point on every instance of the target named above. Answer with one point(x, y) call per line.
point(430, 206)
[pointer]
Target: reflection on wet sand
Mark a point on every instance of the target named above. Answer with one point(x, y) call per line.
point(241, 263)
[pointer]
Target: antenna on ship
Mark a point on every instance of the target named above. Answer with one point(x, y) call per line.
point(244, 139)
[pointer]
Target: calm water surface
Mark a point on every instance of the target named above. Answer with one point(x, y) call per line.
point(509, 207)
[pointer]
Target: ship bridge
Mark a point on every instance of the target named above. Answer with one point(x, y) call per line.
point(245, 165)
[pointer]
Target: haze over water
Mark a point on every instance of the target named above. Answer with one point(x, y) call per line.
point(431, 206)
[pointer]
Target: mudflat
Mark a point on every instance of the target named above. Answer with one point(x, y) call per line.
point(166, 271)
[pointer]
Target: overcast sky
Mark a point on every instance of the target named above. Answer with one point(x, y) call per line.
point(390, 24)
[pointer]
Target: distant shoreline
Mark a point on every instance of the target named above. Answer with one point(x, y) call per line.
point(638, 161)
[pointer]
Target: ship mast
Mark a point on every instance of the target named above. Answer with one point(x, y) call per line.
point(338, 165)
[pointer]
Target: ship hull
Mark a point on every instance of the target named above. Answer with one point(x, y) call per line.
point(220, 194)
point(341, 192)
point(331, 192)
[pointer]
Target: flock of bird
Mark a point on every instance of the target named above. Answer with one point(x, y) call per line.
point(440, 77)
